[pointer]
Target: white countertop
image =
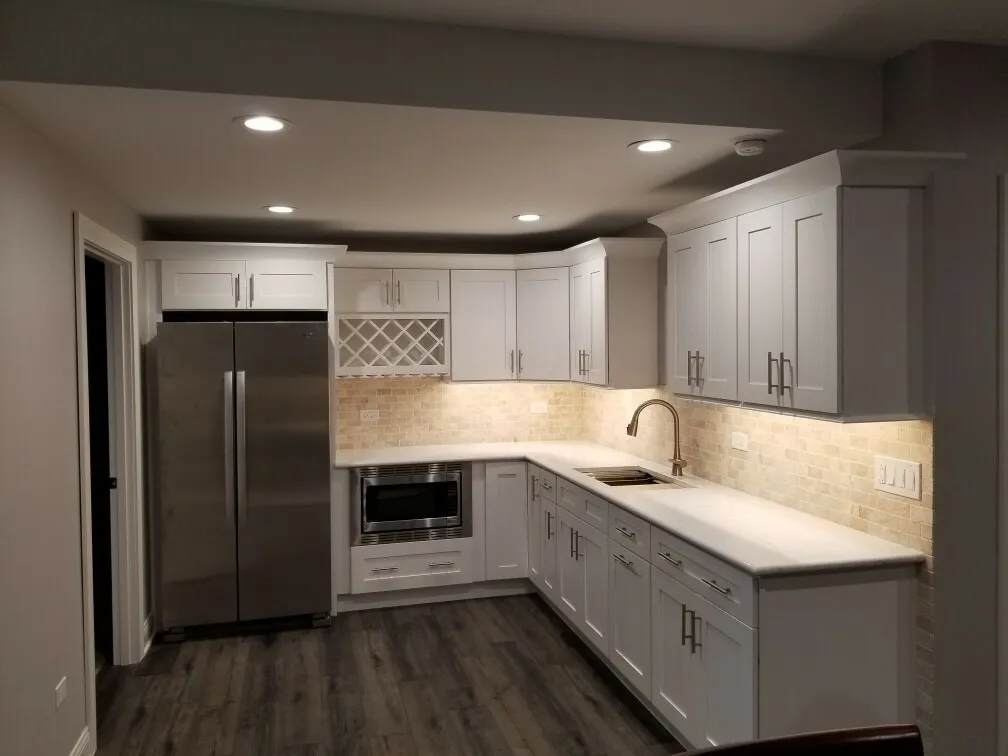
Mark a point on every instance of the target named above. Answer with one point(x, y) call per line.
point(754, 534)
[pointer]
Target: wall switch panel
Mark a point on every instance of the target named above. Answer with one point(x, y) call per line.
point(897, 476)
point(739, 441)
point(369, 416)
point(538, 408)
point(60, 693)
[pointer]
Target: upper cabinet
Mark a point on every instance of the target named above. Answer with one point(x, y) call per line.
point(813, 285)
point(543, 324)
point(614, 315)
point(483, 323)
point(378, 290)
point(243, 285)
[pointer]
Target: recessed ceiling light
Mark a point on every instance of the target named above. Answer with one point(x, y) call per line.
point(263, 123)
point(280, 209)
point(652, 145)
point(527, 217)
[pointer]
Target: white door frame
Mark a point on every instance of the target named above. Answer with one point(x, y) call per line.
point(127, 505)
point(1002, 512)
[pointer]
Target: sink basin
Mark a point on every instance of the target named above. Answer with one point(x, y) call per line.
point(630, 476)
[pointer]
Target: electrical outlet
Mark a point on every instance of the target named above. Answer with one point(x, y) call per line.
point(538, 408)
point(60, 693)
point(739, 441)
point(369, 416)
point(897, 476)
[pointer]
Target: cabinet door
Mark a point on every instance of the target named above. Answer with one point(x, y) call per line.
point(551, 552)
point(810, 302)
point(580, 321)
point(286, 285)
point(675, 673)
point(687, 308)
point(483, 321)
point(630, 616)
point(506, 510)
point(203, 285)
point(570, 570)
point(716, 371)
point(544, 324)
point(598, 355)
point(536, 528)
point(726, 652)
point(593, 556)
point(760, 305)
point(362, 290)
point(420, 291)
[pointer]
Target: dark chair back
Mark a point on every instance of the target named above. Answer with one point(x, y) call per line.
point(899, 740)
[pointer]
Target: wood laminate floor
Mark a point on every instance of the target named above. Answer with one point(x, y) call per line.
point(492, 676)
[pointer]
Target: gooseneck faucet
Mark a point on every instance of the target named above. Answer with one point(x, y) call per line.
point(678, 463)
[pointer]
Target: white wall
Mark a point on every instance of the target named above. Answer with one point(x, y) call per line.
point(41, 615)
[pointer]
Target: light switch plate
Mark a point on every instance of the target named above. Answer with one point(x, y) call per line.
point(369, 416)
point(538, 408)
point(739, 441)
point(898, 476)
point(60, 694)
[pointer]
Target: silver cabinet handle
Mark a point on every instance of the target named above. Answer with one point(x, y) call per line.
point(229, 447)
point(691, 635)
point(588, 362)
point(712, 584)
point(780, 383)
point(388, 300)
point(694, 643)
point(682, 626)
point(572, 543)
point(696, 370)
point(236, 282)
point(628, 533)
point(398, 292)
point(577, 546)
point(549, 523)
point(625, 562)
point(384, 569)
point(677, 563)
point(532, 483)
point(520, 362)
point(435, 565)
point(240, 434)
point(512, 362)
point(545, 484)
point(689, 368)
point(581, 361)
point(769, 372)
point(251, 288)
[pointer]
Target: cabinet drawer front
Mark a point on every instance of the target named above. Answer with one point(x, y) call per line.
point(570, 497)
point(547, 484)
point(433, 567)
point(724, 586)
point(630, 531)
point(595, 511)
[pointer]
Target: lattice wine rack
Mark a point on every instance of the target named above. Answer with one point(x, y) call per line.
point(379, 345)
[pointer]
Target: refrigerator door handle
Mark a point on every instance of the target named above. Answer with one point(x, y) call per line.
point(240, 434)
point(229, 447)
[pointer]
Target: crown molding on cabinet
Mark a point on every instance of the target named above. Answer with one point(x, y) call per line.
point(878, 168)
point(160, 250)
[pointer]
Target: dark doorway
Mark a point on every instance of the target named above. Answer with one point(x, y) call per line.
point(96, 311)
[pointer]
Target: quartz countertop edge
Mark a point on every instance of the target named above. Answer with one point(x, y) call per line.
point(754, 534)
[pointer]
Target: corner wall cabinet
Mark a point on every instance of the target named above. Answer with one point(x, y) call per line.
point(378, 290)
point(543, 330)
point(829, 293)
point(243, 285)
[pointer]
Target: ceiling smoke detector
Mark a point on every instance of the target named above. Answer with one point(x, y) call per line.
point(749, 147)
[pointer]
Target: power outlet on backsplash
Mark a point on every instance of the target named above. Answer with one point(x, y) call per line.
point(369, 416)
point(537, 408)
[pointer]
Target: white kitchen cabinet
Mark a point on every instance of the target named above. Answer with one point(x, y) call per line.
point(676, 675)
point(593, 560)
point(420, 291)
point(286, 285)
point(506, 527)
point(589, 358)
point(543, 324)
point(536, 529)
point(702, 281)
point(550, 550)
point(570, 575)
point(483, 322)
point(203, 285)
point(725, 653)
point(367, 290)
point(630, 616)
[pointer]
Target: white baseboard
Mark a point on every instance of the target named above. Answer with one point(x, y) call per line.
point(357, 602)
point(83, 746)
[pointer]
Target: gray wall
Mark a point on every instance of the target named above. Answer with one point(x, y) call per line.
point(41, 616)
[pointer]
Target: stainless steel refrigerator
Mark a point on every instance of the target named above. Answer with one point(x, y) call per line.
point(240, 527)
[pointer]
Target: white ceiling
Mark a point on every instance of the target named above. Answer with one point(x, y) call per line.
point(376, 170)
point(875, 29)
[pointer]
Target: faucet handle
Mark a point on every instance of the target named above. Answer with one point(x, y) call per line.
point(677, 465)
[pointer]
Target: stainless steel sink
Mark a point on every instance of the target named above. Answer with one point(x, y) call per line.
point(630, 476)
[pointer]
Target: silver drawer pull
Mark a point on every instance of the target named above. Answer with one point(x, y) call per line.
point(674, 562)
point(716, 587)
point(628, 533)
point(625, 562)
point(384, 569)
point(434, 565)
point(545, 485)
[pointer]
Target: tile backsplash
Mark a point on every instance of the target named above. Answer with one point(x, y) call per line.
point(817, 466)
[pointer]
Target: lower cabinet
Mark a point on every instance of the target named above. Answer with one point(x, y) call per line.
point(536, 531)
point(506, 527)
point(583, 578)
point(675, 672)
point(570, 575)
point(550, 550)
point(630, 613)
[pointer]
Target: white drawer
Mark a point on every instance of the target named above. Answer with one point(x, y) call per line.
point(630, 531)
point(400, 566)
point(547, 484)
point(570, 497)
point(727, 587)
point(595, 512)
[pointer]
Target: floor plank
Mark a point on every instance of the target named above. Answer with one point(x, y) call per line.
point(500, 676)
